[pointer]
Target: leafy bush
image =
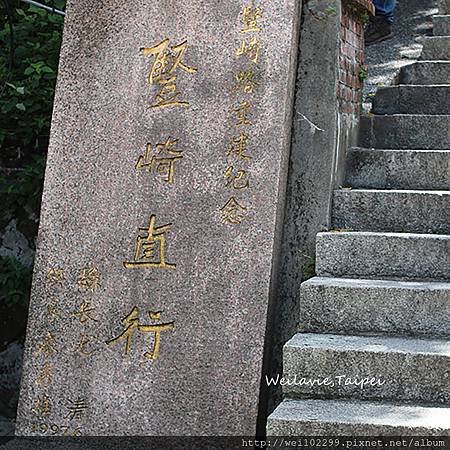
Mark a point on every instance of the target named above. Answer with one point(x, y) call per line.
point(27, 83)
point(27, 89)
point(20, 194)
point(15, 282)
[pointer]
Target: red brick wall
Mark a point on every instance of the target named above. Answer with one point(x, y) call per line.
point(351, 61)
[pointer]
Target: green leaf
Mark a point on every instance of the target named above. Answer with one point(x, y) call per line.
point(21, 106)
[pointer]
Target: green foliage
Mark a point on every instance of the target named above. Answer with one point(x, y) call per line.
point(15, 283)
point(26, 91)
point(309, 267)
point(363, 74)
point(20, 193)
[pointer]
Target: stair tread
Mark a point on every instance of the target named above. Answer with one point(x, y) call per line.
point(384, 307)
point(378, 284)
point(386, 234)
point(400, 150)
point(370, 344)
point(361, 412)
point(436, 193)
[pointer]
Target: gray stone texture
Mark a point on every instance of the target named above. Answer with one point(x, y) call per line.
point(412, 22)
point(14, 244)
point(402, 211)
point(383, 255)
point(206, 379)
point(444, 6)
point(398, 169)
point(415, 99)
point(319, 140)
point(441, 25)
point(10, 373)
point(353, 418)
point(404, 131)
point(425, 72)
point(350, 306)
point(402, 369)
point(436, 48)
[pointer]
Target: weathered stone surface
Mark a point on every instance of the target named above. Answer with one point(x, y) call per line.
point(206, 377)
point(353, 418)
point(354, 306)
point(318, 147)
point(10, 372)
point(425, 72)
point(441, 25)
point(14, 244)
point(6, 427)
point(383, 255)
point(402, 211)
point(444, 6)
point(436, 48)
point(398, 169)
point(406, 131)
point(414, 99)
point(367, 368)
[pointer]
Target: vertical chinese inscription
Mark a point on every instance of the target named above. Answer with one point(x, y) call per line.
point(246, 81)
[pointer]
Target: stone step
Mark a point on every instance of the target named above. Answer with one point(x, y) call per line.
point(349, 306)
point(441, 25)
point(357, 418)
point(404, 131)
point(383, 255)
point(367, 368)
point(398, 169)
point(425, 72)
point(412, 99)
point(402, 211)
point(436, 48)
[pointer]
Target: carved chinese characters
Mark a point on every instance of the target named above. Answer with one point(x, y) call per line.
point(239, 150)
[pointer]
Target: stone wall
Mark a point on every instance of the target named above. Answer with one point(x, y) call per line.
point(351, 62)
point(326, 114)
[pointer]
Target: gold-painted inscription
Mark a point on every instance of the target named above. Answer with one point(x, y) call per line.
point(53, 429)
point(242, 112)
point(250, 16)
point(84, 312)
point(47, 346)
point(85, 345)
point(238, 147)
point(132, 324)
point(149, 240)
point(53, 312)
point(42, 406)
point(236, 179)
point(250, 49)
point(45, 376)
point(89, 279)
point(76, 408)
point(55, 276)
point(233, 212)
point(161, 159)
point(246, 81)
point(167, 60)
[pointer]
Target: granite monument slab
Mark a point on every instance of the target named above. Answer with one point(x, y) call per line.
point(161, 219)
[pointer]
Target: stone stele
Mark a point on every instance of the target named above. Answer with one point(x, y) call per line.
point(161, 218)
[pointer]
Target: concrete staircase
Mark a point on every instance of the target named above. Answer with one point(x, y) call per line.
point(378, 311)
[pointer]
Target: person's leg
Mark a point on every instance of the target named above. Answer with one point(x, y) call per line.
point(385, 9)
point(380, 26)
